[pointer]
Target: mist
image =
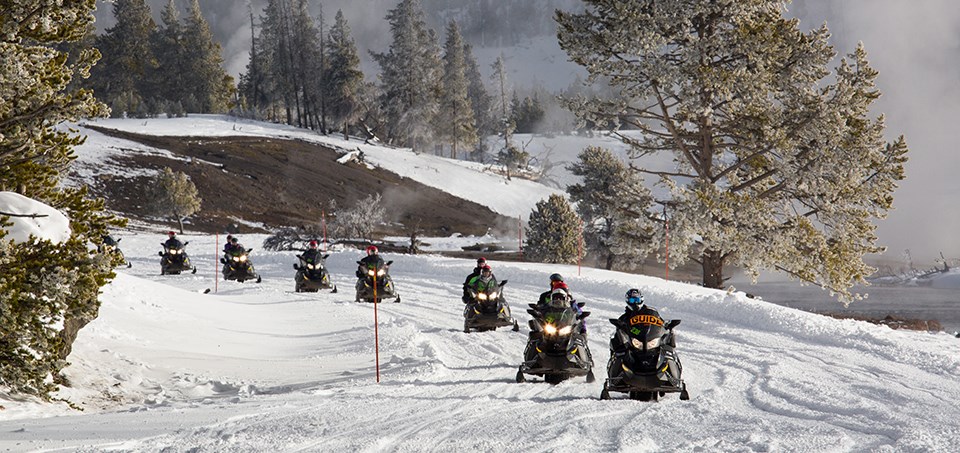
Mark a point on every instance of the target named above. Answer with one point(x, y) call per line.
point(915, 46)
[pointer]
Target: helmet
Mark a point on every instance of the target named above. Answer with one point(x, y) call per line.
point(559, 298)
point(556, 278)
point(234, 240)
point(229, 237)
point(313, 244)
point(171, 233)
point(633, 297)
point(486, 272)
point(481, 261)
point(372, 250)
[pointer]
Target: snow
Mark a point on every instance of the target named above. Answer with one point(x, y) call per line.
point(257, 367)
point(260, 368)
point(50, 224)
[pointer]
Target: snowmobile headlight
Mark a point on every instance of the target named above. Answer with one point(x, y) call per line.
point(310, 266)
point(653, 343)
point(174, 252)
point(550, 329)
point(566, 330)
point(236, 258)
point(371, 272)
point(481, 296)
point(494, 295)
point(636, 343)
point(381, 272)
point(243, 257)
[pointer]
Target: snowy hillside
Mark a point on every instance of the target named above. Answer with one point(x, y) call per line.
point(260, 368)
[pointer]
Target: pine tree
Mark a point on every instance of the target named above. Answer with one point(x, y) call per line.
point(614, 205)
point(480, 99)
point(169, 48)
point(779, 165)
point(410, 77)
point(456, 123)
point(172, 194)
point(553, 234)
point(126, 77)
point(207, 87)
point(501, 105)
point(344, 78)
point(254, 87)
point(48, 292)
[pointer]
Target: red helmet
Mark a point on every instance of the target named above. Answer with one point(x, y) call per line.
point(171, 233)
point(485, 268)
point(481, 261)
point(372, 250)
point(313, 244)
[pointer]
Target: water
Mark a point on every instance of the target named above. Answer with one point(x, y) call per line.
point(942, 305)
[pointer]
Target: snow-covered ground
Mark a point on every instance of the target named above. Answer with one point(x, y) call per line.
point(256, 367)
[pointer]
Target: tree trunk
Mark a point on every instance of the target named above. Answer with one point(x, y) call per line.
point(609, 264)
point(713, 269)
point(180, 222)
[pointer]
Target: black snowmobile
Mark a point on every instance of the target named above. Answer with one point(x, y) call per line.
point(237, 266)
point(174, 259)
point(556, 349)
point(111, 247)
point(312, 275)
point(383, 289)
point(487, 310)
point(643, 358)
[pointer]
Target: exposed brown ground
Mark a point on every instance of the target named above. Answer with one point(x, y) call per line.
point(286, 183)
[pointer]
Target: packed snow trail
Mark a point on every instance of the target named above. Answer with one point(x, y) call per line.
point(257, 367)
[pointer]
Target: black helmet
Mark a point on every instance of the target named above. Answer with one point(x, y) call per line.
point(556, 278)
point(633, 297)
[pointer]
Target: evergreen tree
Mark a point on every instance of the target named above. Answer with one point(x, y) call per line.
point(779, 165)
point(126, 78)
point(310, 67)
point(169, 48)
point(526, 114)
point(410, 77)
point(501, 105)
point(456, 123)
point(614, 205)
point(344, 79)
point(553, 234)
point(480, 99)
point(172, 194)
point(254, 88)
point(207, 87)
point(48, 292)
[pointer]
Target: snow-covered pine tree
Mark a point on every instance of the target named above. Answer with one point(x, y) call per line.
point(410, 73)
point(614, 205)
point(480, 100)
point(172, 194)
point(779, 165)
point(553, 232)
point(206, 83)
point(344, 79)
point(126, 77)
point(455, 123)
point(48, 292)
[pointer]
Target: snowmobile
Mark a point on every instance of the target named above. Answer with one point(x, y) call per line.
point(556, 349)
point(237, 266)
point(384, 284)
point(643, 358)
point(312, 275)
point(111, 247)
point(174, 260)
point(487, 310)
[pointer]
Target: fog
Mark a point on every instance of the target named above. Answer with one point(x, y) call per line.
point(914, 45)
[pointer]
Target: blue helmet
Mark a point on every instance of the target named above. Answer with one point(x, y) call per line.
point(633, 297)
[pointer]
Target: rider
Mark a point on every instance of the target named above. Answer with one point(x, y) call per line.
point(476, 272)
point(556, 281)
point(312, 255)
point(172, 242)
point(228, 246)
point(482, 282)
point(634, 306)
point(373, 259)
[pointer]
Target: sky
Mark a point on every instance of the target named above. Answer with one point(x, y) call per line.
point(257, 367)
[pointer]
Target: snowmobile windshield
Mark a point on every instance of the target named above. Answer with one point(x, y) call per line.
point(559, 321)
point(643, 331)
